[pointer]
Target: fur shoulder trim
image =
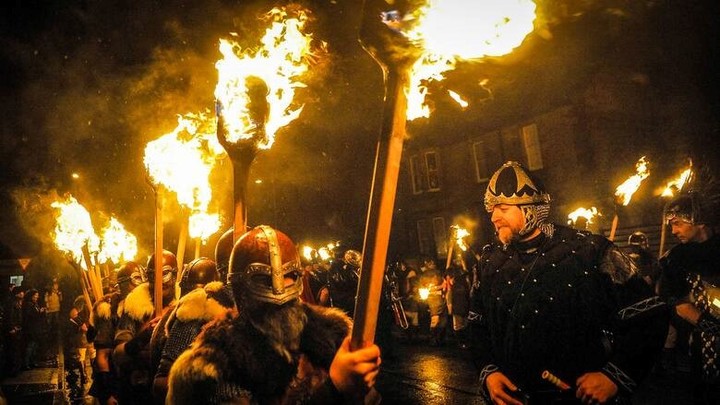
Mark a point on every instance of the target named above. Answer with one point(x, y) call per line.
point(193, 376)
point(101, 311)
point(138, 304)
point(199, 304)
point(323, 334)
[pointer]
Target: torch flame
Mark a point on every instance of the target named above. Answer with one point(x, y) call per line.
point(449, 30)
point(118, 245)
point(183, 159)
point(278, 62)
point(625, 191)
point(678, 183)
point(73, 228)
point(586, 213)
point(203, 225)
point(307, 252)
point(460, 235)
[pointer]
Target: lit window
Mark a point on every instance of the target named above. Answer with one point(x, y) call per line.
point(531, 143)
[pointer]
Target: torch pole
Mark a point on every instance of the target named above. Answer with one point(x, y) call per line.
point(380, 210)
point(663, 236)
point(241, 173)
point(613, 228)
point(91, 274)
point(197, 247)
point(182, 238)
point(157, 283)
point(451, 246)
point(84, 284)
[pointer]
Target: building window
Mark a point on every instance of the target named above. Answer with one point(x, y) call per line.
point(425, 236)
point(432, 167)
point(480, 155)
point(416, 174)
point(531, 143)
point(440, 235)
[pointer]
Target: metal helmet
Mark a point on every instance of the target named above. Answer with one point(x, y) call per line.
point(197, 273)
point(223, 248)
point(683, 208)
point(260, 261)
point(353, 258)
point(513, 184)
point(130, 272)
point(169, 270)
point(638, 239)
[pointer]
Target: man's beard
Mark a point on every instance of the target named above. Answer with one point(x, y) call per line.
point(283, 325)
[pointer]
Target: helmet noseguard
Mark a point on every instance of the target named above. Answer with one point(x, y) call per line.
point(130, 272)
point(198, 273)
point(223, 248)
point(169, 267)
point(512, 184)
point(260, 261)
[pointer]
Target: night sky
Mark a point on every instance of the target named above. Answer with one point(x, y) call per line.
point(86, 85)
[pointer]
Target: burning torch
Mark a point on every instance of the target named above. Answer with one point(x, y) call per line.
point(412, 47)
point(254, 95)
point(583, 216)
point(673, 186)
point(625, 191)
point(73, 227)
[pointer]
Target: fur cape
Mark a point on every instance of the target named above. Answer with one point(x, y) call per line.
point(232, 360)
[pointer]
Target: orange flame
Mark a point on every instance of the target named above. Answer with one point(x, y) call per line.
point(460, 234)
point(678, 183)
point(449, 30)
point(118, 244)
point(586, 213)
point(278, 62)
point(73, 228)
point(203, 225)
point(625, 191)
point(182, 161)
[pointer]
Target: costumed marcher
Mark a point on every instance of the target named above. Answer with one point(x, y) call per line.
point(274, 348)
point(690, 279)
point(343, 278)
point(638, 249)
point(411, 297)
point(202, 298)
point(555, 301)
point(131, 356)
point(433, 280)
point(458, 300)
point(104, 318)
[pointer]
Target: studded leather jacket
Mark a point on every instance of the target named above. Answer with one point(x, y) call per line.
point(569, 303)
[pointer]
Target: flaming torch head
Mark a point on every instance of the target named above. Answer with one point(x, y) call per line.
point(625, 191)
point(256, 88)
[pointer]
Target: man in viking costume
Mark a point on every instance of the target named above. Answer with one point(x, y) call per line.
point(690, 279)
point(563, 315)
point(274, 348)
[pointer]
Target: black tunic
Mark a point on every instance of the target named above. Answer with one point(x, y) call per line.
point(569, 304)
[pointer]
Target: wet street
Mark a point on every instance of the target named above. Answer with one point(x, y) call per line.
point(421, 374)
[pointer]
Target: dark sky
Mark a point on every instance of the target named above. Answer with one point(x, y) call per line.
point(87, 84)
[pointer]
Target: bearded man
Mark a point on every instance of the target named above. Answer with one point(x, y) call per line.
point(274, 348)
point(557, 300)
